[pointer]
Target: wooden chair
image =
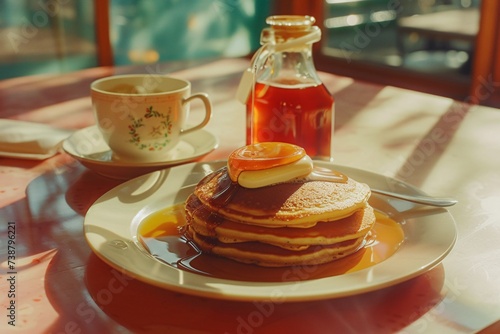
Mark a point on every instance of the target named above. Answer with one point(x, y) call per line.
point(485, 86)
point(104, 49)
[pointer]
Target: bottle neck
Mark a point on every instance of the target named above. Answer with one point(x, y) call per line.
point(278, 58)
point(293, 66)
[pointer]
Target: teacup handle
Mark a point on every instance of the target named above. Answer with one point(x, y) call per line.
point(208, 111)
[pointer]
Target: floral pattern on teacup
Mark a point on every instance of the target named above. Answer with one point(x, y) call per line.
point(160, 130)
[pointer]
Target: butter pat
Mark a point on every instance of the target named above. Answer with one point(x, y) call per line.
point(270, 176)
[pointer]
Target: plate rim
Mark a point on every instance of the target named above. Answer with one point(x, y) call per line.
point(127, 248)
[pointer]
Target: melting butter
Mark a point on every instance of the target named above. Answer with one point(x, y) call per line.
point(270, 176)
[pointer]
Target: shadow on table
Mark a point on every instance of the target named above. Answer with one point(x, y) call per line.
point(140, 307)
point(87, 189)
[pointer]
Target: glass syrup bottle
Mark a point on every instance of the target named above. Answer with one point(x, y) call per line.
point(288, 102)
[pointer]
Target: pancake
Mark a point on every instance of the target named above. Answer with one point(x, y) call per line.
point(267, 255)
point(214, 225)
point(299, 204)
point(299, 222)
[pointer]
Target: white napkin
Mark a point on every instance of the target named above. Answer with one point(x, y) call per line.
point(27, 140)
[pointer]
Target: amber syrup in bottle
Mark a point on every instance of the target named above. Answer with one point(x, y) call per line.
point(288, 102)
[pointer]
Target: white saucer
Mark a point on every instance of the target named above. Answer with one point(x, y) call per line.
point(88, 147)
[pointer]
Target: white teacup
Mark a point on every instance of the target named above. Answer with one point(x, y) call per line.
point(142, 117)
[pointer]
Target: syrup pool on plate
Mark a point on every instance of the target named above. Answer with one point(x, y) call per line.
point(160, 234)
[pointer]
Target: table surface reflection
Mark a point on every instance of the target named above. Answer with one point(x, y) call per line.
point(442, 146)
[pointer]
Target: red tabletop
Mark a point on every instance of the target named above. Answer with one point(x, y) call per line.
point(58, 285)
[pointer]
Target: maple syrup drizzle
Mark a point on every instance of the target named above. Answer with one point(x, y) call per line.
point(225, 190)
point(162, 234)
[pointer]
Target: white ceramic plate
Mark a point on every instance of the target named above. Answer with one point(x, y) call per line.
point(88, 147)
point(112, 222)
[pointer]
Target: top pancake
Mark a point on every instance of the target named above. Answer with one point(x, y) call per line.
point(301, 203)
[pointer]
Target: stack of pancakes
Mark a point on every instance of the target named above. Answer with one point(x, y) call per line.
point(302, 222)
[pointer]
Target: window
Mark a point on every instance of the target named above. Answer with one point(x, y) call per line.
point(443, 47)
point(46, 36)
point(433, 39)
point(150, 31)
point(53, 36)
